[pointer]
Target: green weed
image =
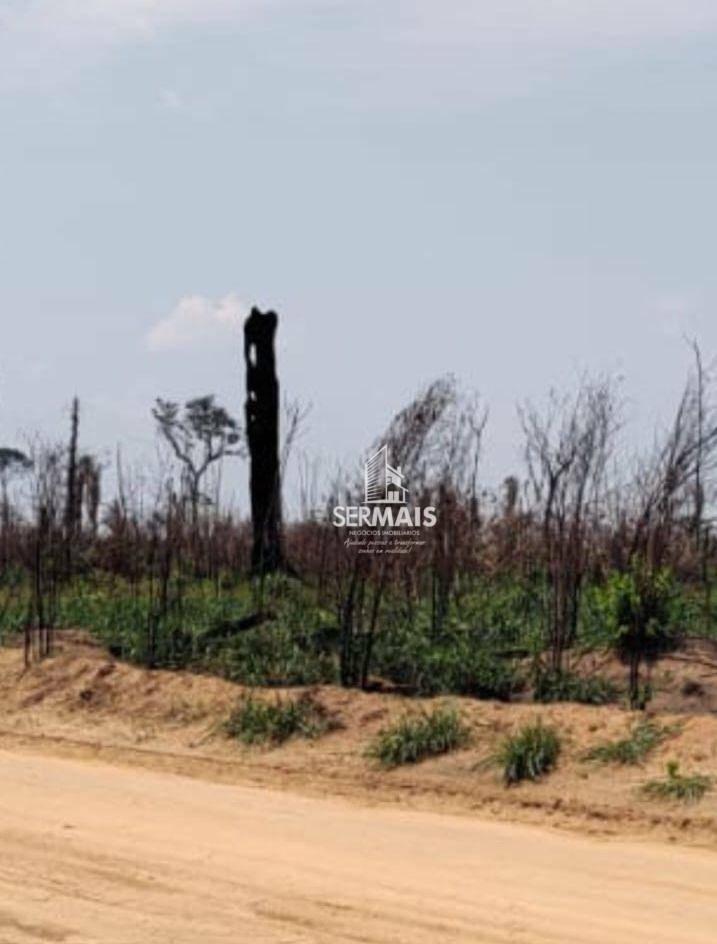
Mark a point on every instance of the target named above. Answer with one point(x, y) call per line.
point(643, 738)
point(687, 788)
point(417, 736)
point(529, 754)
point(260, 721)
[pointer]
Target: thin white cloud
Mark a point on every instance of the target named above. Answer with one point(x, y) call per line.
point(33, 31)
point(546, 19)
point(113, 19)
point(43, 40)
point(556, 22)
point(513, 44)
point(197, 321)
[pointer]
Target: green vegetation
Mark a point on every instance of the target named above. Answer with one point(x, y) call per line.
point(416, 736)
point(643, 613)
point(578, 552)
point(259, 721)
point(298, 640)
point(489, 634)
point(529, 754)
point(643, 738)
point(552, 686)
point(294, 644)
point(687, 788)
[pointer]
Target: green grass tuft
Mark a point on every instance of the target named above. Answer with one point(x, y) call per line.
point(687, 788)
point(417, 736)
point(644, 737)
point(260, 721)
point(529, 754)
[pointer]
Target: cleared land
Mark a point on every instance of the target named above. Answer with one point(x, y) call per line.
point(94, 854)
point(128, 816)
point(83, 705)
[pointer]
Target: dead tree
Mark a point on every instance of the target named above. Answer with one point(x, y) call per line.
point(46, 560)
point(12, 464)
point(72, 504)
point(89, 491)
point(683, 460)
point(666, 510)
point(262, 430)
point(566, 452)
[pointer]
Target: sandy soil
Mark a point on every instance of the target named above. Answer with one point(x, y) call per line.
point(94, 854)
point(82, 705)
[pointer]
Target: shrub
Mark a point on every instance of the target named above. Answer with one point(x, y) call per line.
point(259, 721)
point(688, 788)
point(551, 686)
point(643, 612)
point(486, 676)
point(465, 671)
point(529, 754)
point(633, 749)
point(274, 654)
point(417, 736)
point(453, 664)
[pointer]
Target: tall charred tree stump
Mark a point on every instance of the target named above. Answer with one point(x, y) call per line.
point(262, 427)
point(73, 502)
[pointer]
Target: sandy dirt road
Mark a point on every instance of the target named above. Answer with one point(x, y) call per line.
point(92, 853)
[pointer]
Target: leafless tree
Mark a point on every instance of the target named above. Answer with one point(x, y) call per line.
point(670, 481)
point(567, 448)
point(13, 464)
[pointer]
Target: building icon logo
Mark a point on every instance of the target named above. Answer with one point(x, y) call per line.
point(383, 482)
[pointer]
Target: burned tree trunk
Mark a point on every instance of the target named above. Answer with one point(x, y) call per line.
point(262, 426)
point(72, 505)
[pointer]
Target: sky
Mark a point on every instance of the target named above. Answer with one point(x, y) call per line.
point(513, 192)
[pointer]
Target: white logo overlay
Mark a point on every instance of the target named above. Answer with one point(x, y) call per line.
point(383, 483)
point(391, 525)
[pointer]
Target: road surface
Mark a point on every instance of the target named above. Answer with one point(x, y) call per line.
point(96, 854)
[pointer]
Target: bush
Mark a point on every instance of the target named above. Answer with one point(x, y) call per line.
point(643, 611)
point(274, 654)
point(687, 788)
point(257, 721)
point(455, 663)
point(529, 754)
point(417, 736)
point(552, 686)
point(463, 671)
point(633, 749)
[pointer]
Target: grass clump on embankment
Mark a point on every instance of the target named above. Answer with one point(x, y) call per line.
point(643, 738)
point(686, 788)
point(416, 736)
point(528, 754)
point(261, 721)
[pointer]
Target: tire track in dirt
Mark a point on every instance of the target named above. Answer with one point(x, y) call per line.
point(96, 854)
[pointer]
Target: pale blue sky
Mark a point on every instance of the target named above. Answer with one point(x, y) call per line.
point(510, 191)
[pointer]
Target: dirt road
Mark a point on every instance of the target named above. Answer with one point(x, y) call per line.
point(92, 853)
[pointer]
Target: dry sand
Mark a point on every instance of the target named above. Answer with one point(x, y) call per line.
point(127, 817)
point(94, 854)
point(82, 705)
